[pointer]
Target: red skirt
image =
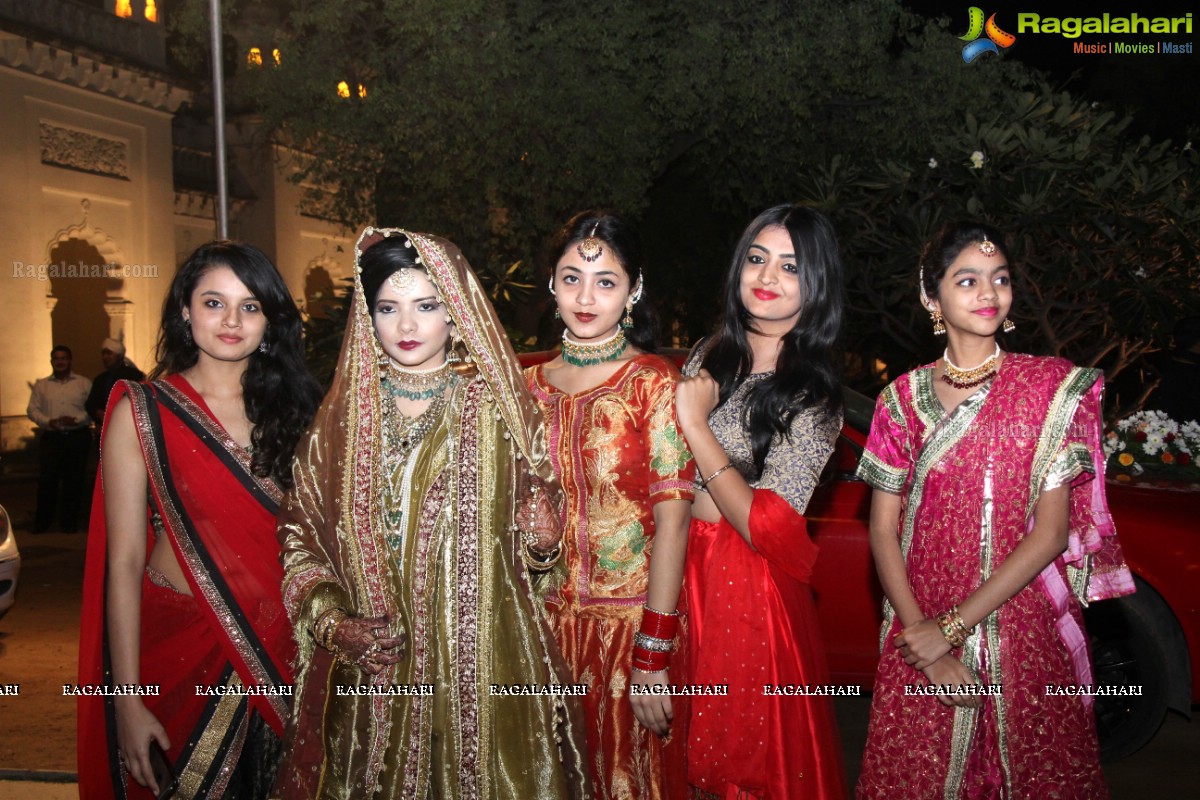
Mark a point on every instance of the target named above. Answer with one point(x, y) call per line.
point(753, 626)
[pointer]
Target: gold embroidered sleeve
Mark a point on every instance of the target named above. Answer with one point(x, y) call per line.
point(310, 585)
point(1072, 461)
point(794, 462)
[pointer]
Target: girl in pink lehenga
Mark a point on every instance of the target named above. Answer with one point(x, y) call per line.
point(989, 529)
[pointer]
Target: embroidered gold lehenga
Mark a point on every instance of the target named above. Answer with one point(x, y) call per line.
point(425, 537)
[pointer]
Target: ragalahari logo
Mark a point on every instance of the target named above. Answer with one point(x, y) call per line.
point(996, 38)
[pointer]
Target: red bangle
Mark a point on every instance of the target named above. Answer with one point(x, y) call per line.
point(648, 661)
point(658, 624)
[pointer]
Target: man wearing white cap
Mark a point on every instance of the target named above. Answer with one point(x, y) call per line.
point(116, 368)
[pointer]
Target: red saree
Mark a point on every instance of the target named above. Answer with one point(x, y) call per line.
point(220, 657)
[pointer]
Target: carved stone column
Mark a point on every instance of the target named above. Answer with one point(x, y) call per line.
point(120, 316)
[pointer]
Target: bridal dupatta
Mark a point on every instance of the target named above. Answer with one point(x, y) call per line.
point(446, 566)
point(970, 481)
point(208, 652)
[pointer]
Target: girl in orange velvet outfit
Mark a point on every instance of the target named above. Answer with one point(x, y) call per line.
point(760, 409)
point(627, 477)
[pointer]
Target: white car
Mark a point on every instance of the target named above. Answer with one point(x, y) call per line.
point(10, 563)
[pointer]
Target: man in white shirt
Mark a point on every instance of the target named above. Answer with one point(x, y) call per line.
point(57, 406)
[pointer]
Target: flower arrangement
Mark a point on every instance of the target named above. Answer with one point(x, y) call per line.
point(1150, 441)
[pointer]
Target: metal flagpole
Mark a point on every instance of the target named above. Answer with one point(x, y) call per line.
point(218, 72)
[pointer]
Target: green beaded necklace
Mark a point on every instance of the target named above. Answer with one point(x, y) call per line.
point(416, 384)
point(584, 355)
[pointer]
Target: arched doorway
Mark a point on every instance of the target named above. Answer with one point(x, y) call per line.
point(81, 288)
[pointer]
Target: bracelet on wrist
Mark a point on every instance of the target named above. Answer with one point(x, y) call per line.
point(325, 626)
point(662, 671)
point(540, 562)
point(648, 661)
point(701, 484)
point(659, 624)
point(653, 644)
point(952, 627)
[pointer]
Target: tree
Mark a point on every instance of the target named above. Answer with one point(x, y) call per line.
point(491, 122)
point(1104, 228)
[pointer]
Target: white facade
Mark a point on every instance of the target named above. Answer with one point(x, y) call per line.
point(92, 226)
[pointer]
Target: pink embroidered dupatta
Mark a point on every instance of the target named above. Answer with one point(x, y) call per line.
point(970, 481)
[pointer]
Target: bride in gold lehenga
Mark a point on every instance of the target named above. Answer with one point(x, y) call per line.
point(420, 520)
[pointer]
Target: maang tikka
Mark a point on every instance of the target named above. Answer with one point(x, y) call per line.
point(402, 280)
point(591, 247)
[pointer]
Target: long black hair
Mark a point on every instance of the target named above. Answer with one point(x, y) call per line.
point(805, 373)
point(623, 241)
point(278, 391)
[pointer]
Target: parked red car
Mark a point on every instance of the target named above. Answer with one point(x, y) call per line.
point(1149, 639)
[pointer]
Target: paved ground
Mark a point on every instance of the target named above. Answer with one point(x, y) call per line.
point(39, 651)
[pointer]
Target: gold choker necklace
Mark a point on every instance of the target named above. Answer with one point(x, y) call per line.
point(582, 355)
point(961, 378)
point(413, 384)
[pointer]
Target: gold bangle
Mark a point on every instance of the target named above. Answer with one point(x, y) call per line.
point(704, 483)
point(540, 564)
point(952, 627)
point(325, 626)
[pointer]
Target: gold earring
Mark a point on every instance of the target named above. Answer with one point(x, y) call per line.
point(939, 327)
point(1009, 325)
point(627, 320)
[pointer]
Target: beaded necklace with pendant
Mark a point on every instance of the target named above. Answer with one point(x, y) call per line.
point(401, 437)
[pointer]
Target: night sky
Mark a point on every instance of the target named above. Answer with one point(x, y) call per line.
point(1161, 91)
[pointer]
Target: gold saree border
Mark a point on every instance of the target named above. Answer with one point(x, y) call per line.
point(944, 432)
point(880, 475)
point(228, 708)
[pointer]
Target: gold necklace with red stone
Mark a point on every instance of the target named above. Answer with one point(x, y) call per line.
point(961, 378)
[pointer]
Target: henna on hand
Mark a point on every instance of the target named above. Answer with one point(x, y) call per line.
point(537, 515)
point(367, 643)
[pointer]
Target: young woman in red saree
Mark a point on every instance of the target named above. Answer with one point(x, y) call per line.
point(182, 585)
point(760, 408)
point(989, 528)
